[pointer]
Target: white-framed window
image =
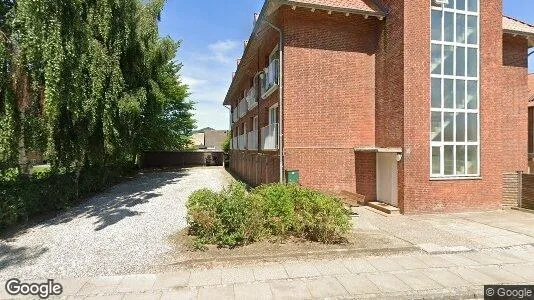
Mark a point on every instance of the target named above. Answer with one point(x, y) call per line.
point(273, 114)
point(455, 89)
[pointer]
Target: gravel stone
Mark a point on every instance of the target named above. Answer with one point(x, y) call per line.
point(124, 230)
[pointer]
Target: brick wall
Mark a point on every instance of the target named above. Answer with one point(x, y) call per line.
point(329, 95)
point(527, 192)
point(511, 189)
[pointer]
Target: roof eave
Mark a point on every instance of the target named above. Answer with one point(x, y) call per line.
point(528, 35)
point(334, 9)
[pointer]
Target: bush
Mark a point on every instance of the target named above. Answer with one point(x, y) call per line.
point(23, 197)
point(236, 217)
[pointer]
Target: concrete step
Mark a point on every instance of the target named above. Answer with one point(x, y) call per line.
point(383, 207)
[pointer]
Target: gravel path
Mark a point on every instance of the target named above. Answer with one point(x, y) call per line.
point(121, 231)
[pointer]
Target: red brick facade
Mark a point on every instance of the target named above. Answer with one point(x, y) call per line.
point(352, 81)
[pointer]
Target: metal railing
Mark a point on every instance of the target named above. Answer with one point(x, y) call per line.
point(235, 116)
point(252, 140)
point(234, 144)
point(269, 80)
point(242, 141)
point(269, 137)
point(252, 99)
point(242, 108)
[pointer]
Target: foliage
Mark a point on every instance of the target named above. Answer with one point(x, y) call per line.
point(236, 217)
point(89, 82)
point(226, 144)
point(22, 197)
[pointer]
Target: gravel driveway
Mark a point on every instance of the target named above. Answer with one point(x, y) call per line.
point(121, 231)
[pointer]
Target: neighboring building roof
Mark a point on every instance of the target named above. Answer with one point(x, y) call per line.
point(214, 139)
point(514, 26)
point(355, 6)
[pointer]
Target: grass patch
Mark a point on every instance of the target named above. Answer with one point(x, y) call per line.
point(236, 217)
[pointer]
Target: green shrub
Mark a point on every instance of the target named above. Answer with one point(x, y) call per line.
point(236, 217)
point(23, 197)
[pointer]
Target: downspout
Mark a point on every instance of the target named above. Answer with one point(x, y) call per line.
point(280, 97)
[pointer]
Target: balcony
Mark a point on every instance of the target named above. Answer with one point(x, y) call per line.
point(242, 108)
point(252, 99)
point(269, 80)
point(242, 141)
point(252, 140)
point(235, 116)
point(234, 144)
point(269, 137)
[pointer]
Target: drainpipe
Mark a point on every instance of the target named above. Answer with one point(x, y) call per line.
point(281, 96)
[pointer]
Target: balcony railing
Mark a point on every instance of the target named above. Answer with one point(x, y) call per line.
point(242, 141)
point(252, 99)
point(242, 107)
point(252, 140)
point(269, 137)
point(235, 116)
point(234, 144)
point(269, 82)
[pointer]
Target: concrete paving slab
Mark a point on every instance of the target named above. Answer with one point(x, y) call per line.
point(504, 257)
point(446, 278)
point(143, 296)
point(499, 274)
point(175, 280)
point(205, 277)
point(333, 267)
point(237, 275)
point(482, 258)
point(417, 281)
point(388, 283)
point(459, 260)
point(357, 284)
point(328, 287)
point(384, 264)
point(522, 270)
point(473, 276)
point(182, 294)
point(409, 262)
point(290, 290)
point(100, 285)
point(136, 283)
point(301, 270)
point(71, 286)
point(432, 248)
point(256, 291)
point(272, 272)
point(219, 293)
point(359, 265)
point(105, 297)
point(435, 261)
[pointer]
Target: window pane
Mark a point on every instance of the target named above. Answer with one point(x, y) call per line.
point(448, 65)
point(472, 160)
point(460, 4)
point(436, 160)
point(460, 94)
point(436, 93)
point(472, 31)
point(460, 28)
point(448, 156)
point(448, 92)
point(449, 27)
point(460, 160)
point(472, 5)
point(436, 4)
point(448, 124)
point(436, 126)
point(460, 61)
point(472, 94)
point(436, 25)
point(450, 4)
point(460, 127)
point(436, 59)
point(472, 128)
point(472, 62)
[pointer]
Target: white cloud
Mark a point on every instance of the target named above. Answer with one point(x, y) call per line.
point(208, 74)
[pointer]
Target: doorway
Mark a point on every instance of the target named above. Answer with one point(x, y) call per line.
point(387, 178)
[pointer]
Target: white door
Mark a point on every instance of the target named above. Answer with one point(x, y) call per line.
point(386, 178)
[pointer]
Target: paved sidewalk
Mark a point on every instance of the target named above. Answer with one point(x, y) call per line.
point(459, 275)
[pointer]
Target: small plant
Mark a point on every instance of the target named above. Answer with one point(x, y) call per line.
point(237, 217)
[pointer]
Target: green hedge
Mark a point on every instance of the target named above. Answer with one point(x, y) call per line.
point(236, 217)
point(23, 197)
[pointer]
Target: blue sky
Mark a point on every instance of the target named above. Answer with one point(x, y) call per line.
point(212, 34)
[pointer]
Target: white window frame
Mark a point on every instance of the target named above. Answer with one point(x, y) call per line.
point(455, 110)
point(255, 123)
point(275, 109)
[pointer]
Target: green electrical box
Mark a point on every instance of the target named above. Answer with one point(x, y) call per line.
point(293, 176)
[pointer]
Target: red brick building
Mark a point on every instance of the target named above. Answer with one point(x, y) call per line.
point(405, 102)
